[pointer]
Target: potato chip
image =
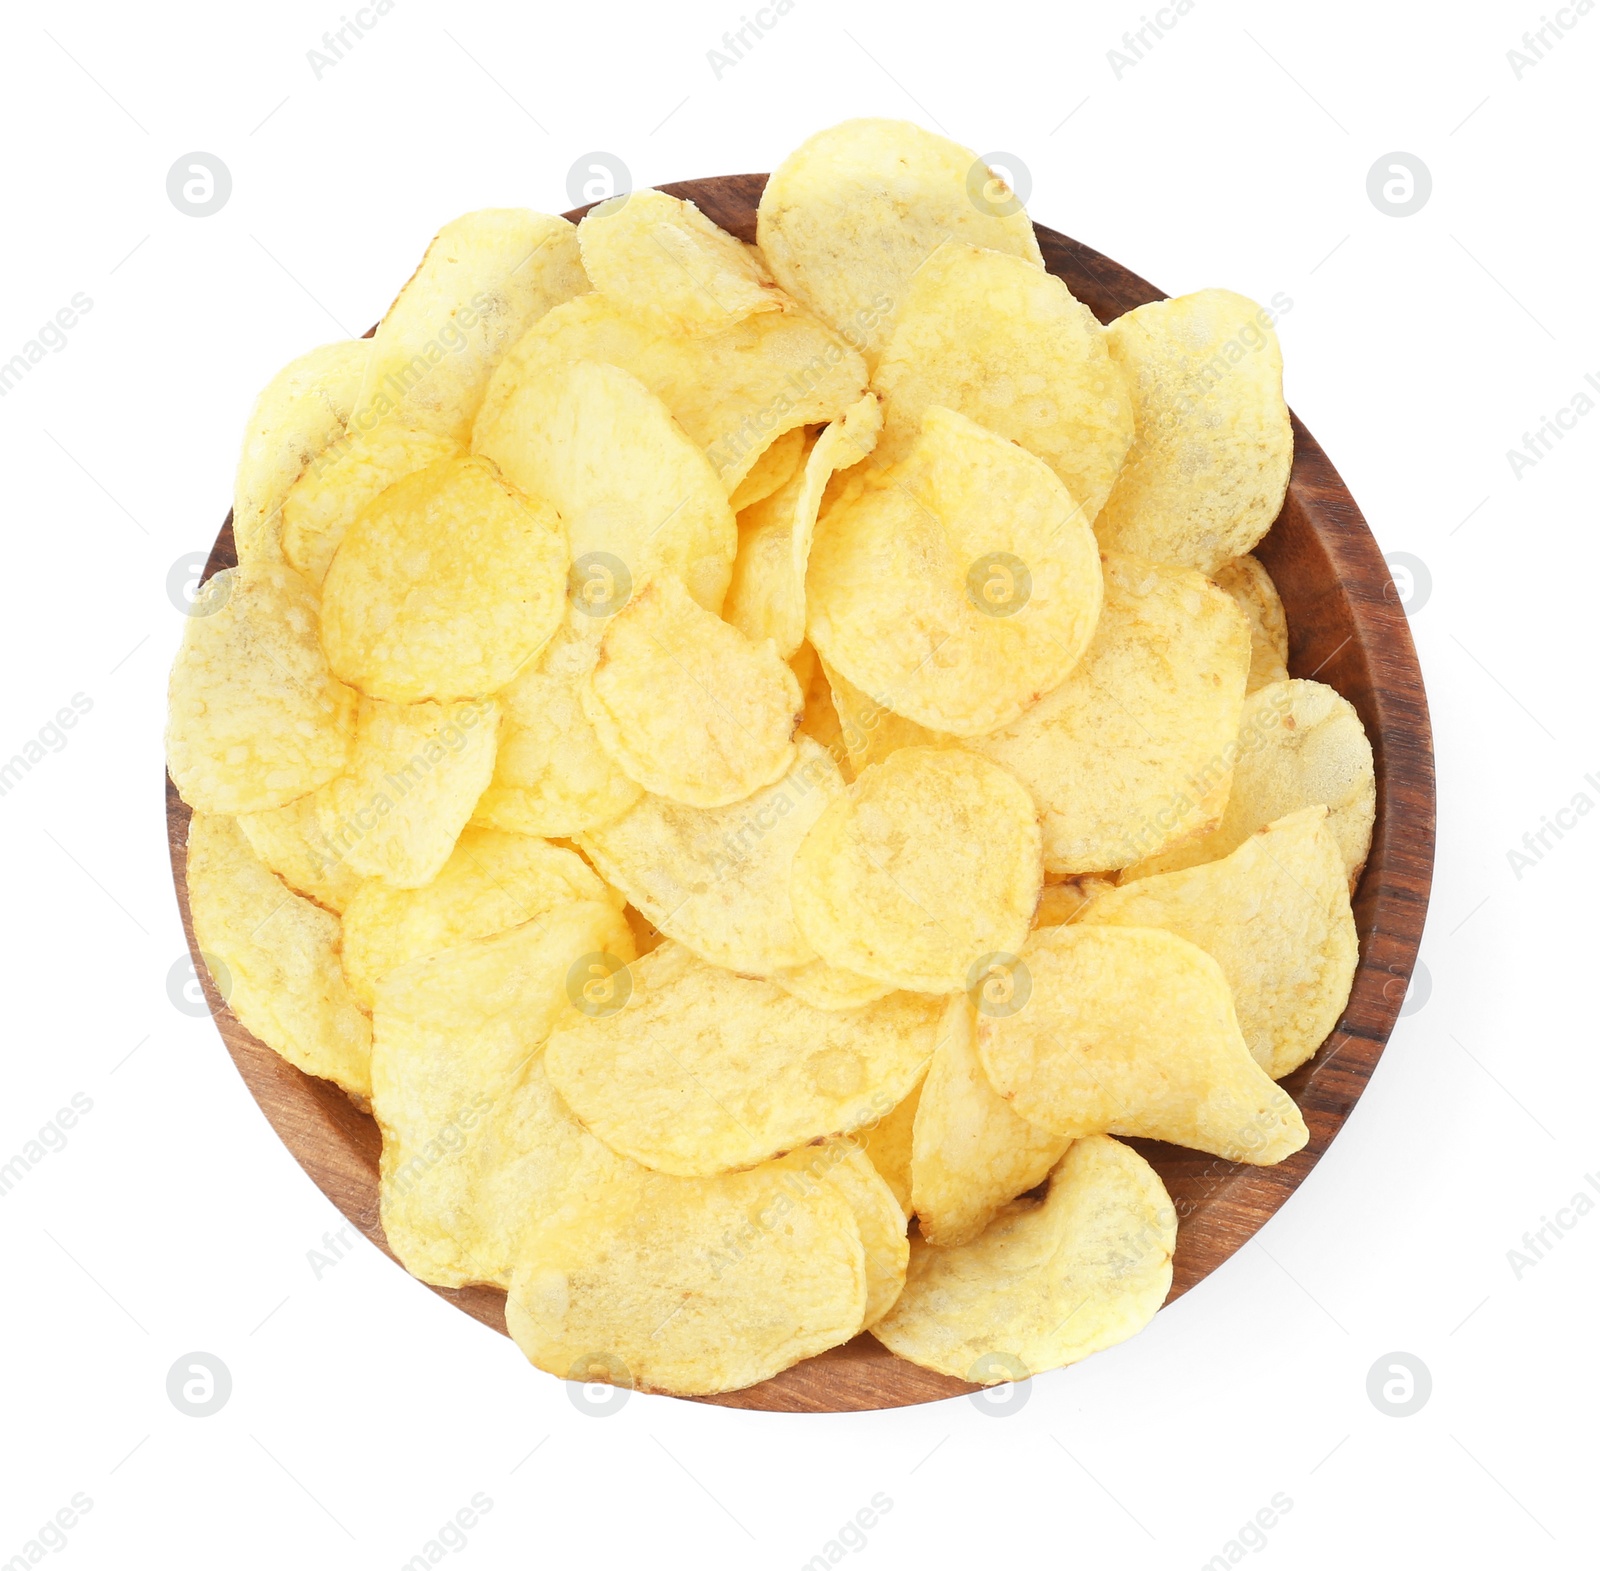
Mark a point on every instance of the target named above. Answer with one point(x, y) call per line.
point(851, 214)
point(970, 1153)
point(735, 393)
point(1131, 1031)
point(701, 1071)
point(927, 867)
point(1212, 446)
point(692, 1287)
point(274, 958)
point(1004, 343)
point(416, 771)
point(767, 598)
point(254, 716)
point(827, 987)
point(1248, 584)
point(1132, 753)
point(328, 496)
point(869, 730)
point(887, 1144)
point(960, 585)
point(298, 414)
point(661, 259)
point(717, 879)
point(879, 1218)
point(485, 279)
point(1299, 743)
point(1275, 915)
point(688, 707)
point(773, 466)
point(451, 1033)
point(492, 881)
point(551, 775)
point(636, 494)
point(291, 841)
point(1047, 1283)
point(443, 586)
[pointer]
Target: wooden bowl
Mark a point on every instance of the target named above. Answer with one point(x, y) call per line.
point(1346, 628)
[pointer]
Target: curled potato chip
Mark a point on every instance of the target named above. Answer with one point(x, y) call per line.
point(290, 840)
point(1212, 446)
point(637, 495)
point(688, 707)
point(492, 881)
point(1299, 743)
point(660, 258)
point(1133, 752)
point(254, 716)
point(852, 213)
point(551, 775)
point(297, 415)
point(485, 279)
point(717, 879)
point(970, 1153)
point(773, 466)
point(443, 586)
point(328, 496)
point(452, 1032)
point(959, 585)
point(274, 957)
point(1047, 1283)
point(1248, 584)
point(734, 392)
point(1004, 343)
point(1275, 915)
point(1131, 1031)
point(701, 1071)
point(879, 1218)
point(887, 1144)
point(927, 867)
point(414, 775)
point(692, 1287)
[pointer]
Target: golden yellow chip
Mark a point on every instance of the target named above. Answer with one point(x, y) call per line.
point(300, 412)
point(485, 279)
point(637, 496)
point(328, 496)
point(869, 731)
point(826, 987)
point(1048, 1282)
point(970, 1153)
point(1299, 743)
point(1004, 343)
point(452, 1032)
point(414, 775)
point(887, 1144)
point(927, 869)
point(551, 775)
point(274, 958)
point(959, 585)
point(734, 392)
point(692, 1287)
point(1275, 915)
point(1212, 445)
point(774, 464)
point(700, 1071)
point(291, 841)
point(1132, 753)
point(1061, 903)
point(1248, 584)
point(254, 716)
point(492, 881)
point(717, 879)
point(686, 705)
point(879, 1218)
point(1131, 1031)
point(661, 259)
point(852, 213)
point(443, 586)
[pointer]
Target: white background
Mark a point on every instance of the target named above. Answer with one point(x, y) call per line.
point(365, 1411)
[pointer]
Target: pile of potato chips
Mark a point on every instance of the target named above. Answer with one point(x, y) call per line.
point(731, 750)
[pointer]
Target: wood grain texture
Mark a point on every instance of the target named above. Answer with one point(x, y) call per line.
point(1346, 628)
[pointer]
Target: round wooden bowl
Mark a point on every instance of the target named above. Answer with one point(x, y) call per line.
point(1346, 628)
